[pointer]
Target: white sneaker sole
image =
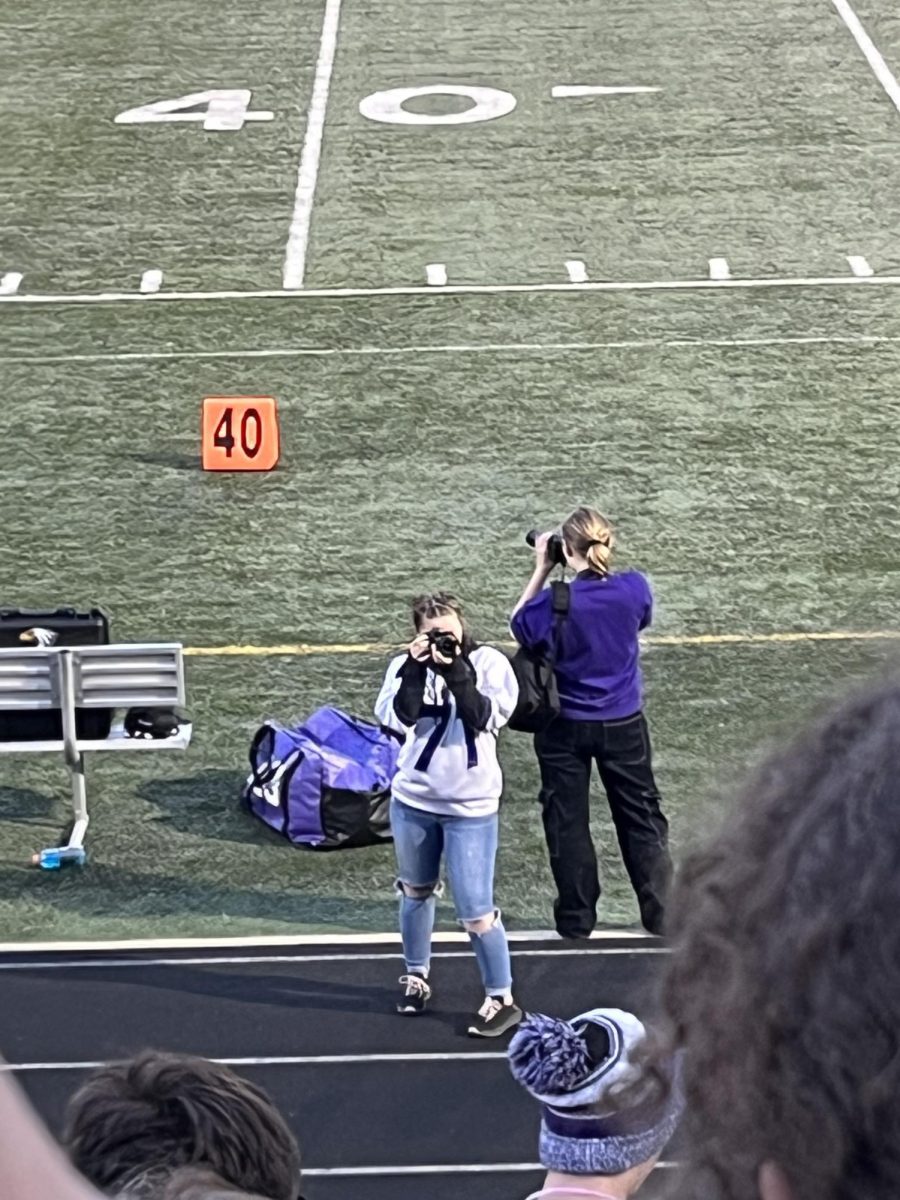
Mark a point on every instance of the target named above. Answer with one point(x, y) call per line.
point(474, 1031)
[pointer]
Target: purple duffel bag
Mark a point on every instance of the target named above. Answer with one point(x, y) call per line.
point(325, 785)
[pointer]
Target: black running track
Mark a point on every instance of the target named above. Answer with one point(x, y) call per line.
point(383, 1105)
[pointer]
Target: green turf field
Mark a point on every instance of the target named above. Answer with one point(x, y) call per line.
point(742, 433)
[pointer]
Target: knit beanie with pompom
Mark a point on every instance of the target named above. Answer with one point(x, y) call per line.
point(575, 1068)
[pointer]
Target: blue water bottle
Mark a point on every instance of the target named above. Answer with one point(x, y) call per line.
point(58, 856)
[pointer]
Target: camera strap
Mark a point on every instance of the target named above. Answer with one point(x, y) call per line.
point(560, 600)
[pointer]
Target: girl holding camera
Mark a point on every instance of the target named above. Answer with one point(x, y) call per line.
point(449, 697)
point(600, 719)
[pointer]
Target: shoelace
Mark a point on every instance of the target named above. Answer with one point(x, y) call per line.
point(415, 985)
point(490, 1008)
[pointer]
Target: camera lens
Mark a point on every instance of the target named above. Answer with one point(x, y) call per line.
point(444, 643)
point(554, 545)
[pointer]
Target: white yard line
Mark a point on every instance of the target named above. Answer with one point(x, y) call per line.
point(460, 1169)
point(140, 964)
point(308, 173)
point(567, 91)
point(387, 938)
point(464, 289)
point(882, 71)
point(294, 1060)
point(859, 266)
point(128, 356)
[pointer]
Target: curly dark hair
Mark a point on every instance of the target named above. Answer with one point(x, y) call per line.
point(133, 1124)
point(784, 985)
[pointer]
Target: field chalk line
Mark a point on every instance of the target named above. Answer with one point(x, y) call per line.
point(269, 942)
point(127, 356)
point(459, 1169)
point(135, 964)
point(882, 71)
point(463, 289)
point(306, 649)
point(299, 1060)
point(308, 172)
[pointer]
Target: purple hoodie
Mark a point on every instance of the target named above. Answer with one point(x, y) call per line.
point(597, 669)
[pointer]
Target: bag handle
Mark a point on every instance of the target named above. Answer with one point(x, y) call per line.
point(260, 778)
point(370, 733)
point(367, 729)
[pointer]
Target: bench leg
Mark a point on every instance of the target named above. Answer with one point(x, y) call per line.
point(73, 851)
point(79, 804)
point(74, 758)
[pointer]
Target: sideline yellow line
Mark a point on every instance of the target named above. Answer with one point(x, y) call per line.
point(746, 639)
point(298, 649)
point(306, 649)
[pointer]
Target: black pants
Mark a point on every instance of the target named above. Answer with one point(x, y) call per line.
point(621, 750)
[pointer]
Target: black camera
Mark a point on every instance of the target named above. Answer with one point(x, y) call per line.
point(554, 546)
point(444, 643)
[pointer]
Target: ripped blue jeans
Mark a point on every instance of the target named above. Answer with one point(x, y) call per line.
point(468, 846)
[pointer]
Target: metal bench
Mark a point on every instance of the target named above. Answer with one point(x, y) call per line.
point(83, 677)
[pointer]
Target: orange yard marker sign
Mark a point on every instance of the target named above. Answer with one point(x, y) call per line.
point(239, 433)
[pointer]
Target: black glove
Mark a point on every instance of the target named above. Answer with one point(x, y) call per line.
point(411, 693)
point(471, 705)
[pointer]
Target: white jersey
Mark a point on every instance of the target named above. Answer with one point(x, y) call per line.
point(444, 767)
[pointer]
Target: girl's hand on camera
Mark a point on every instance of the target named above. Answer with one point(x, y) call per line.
point(541, 561)
point(420, 648)
point(441, 660)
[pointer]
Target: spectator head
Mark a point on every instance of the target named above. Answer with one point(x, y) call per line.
point(133, 1124)
point(598, 1118)
point(784, 986)
point(588, 540)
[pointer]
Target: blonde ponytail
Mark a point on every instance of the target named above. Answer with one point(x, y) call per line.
point(598, 556)
point(588, 533)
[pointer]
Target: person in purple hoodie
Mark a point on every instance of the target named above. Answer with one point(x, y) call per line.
point(600, 720)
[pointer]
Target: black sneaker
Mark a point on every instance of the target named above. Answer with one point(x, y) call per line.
point(415, 997)
point(494, 1018)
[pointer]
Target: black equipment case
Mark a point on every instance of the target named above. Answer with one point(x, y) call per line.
point(72, 628)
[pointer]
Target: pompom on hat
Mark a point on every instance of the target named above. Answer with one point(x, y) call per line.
point(574, 1068)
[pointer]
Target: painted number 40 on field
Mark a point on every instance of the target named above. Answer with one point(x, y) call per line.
point(222, 109)
point(219, 110)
